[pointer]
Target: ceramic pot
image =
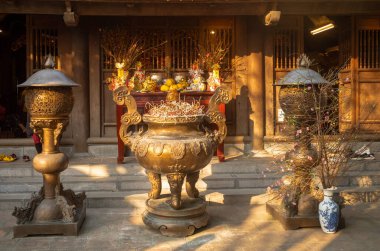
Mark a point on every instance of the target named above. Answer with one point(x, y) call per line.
point(329, 212)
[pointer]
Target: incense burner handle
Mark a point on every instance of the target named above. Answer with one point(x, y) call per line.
point(122, 96)
point(214, 116)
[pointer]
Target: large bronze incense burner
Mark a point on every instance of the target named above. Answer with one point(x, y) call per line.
point(49, 101)
point(178, 147)
point(299, 90)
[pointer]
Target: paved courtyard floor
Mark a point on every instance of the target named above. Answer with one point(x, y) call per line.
point(236, 223)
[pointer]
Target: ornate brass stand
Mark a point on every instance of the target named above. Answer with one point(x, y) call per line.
point(49, 101)
point(178, 147)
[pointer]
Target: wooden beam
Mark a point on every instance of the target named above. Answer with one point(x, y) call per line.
point(169, 2)
point(204, 8)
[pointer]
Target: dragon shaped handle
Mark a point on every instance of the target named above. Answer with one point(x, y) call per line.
point(122, 96)
point(214, 116)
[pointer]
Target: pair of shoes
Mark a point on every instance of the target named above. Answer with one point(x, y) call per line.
point(363, 156)
point(363, 153)
point(26, 158)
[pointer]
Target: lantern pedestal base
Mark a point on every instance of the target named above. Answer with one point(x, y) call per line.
point(175, 223)
point(52, 227)
point(291, 223)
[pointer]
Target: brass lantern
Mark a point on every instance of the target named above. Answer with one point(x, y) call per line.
point(300, 97)
point(298, 92)
point(49, 101)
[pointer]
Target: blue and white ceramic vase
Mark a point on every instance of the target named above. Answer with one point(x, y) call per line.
point(329, 212)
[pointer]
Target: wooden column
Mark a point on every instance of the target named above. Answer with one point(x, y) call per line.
point(242, 101)
point(66, 66)
point(269, 81)
point(256, 89)
point(355, 75)
point(95, 83)
point(80, 113)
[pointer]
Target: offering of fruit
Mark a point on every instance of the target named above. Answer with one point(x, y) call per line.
point(7, 158)
point(171, 85)
point(182, 84)
point(169, 82)
point(164, 88)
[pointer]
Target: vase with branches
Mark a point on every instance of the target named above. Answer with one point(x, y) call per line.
point(210, 58)
point(125, 49)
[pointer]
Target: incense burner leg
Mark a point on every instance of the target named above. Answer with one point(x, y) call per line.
point(155, 182)
point(191, 180)
point(175, 182)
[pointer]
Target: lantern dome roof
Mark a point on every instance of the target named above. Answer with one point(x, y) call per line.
point(48, 77)
point(302, 75)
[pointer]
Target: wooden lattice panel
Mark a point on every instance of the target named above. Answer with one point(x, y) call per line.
point(153, 40)
point(345, 49)
point(286, 48)
point(183, 44)
point(108, 63)
point(154, 58)
point(225, 36)
point(369, 48)
point(44, 42)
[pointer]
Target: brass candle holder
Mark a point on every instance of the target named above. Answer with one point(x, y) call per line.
point(49, 101)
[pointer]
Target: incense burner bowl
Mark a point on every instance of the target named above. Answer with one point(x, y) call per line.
point(176, 146)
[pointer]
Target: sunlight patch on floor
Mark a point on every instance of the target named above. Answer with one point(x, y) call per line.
point(92, 170)
point(121, 170)
point(364, 181)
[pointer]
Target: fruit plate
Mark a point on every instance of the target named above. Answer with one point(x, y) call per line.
point(7, 158)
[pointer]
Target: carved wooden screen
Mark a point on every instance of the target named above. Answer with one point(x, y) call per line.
point(42, 41)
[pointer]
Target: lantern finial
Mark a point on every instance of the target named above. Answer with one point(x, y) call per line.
point(49, 63)
point(303, 61)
